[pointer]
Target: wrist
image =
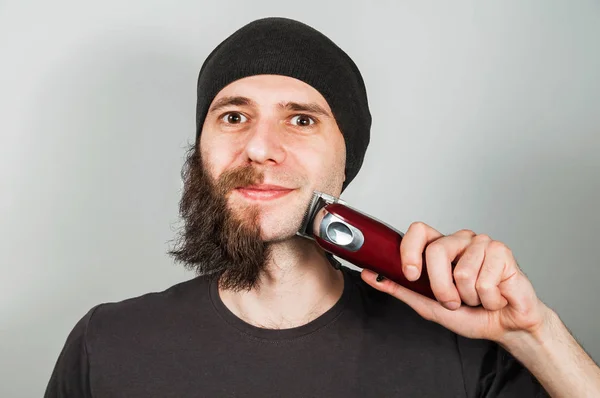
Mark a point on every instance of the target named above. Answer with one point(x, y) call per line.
point(554, 357)
point(537, 338)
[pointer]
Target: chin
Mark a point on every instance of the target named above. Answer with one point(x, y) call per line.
point(277, 229)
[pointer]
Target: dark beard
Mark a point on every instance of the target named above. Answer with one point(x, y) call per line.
point(213, 241)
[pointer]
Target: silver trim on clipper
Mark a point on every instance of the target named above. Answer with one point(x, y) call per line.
point(340, 233)
point(310, 223)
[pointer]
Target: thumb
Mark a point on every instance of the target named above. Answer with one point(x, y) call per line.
point(421, 304)
point(460, 321)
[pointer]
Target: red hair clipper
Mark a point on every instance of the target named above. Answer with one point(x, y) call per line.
point(359, 239)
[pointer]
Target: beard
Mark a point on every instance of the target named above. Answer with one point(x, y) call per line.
point(213, 240)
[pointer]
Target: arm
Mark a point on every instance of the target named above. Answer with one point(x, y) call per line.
point(482, 293)
point(70, 376)
point(554, 357)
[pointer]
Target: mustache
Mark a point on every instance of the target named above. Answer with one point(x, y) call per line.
point(247, 175)
point(240, 176)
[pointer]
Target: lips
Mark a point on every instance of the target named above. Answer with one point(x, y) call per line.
point(263, 191)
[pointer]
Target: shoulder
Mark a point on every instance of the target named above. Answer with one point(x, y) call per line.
point(176, 294)
point(490, 370)
point(146, 312)
point(487, 368)
point(112, 331)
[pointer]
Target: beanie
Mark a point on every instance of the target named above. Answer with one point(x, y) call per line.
point(282, 46)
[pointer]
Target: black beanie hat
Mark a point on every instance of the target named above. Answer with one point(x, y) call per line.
point(282, 46)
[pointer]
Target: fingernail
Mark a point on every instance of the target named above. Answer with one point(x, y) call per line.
point(380, 278)
point(451, 305)
point(411, 272)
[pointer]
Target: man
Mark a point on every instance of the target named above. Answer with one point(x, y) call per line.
point(282, 111)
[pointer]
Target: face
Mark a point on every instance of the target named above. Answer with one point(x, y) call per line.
point(281, 131)
point(267, 143)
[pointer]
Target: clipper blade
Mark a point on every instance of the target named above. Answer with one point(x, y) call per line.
point(318, 201)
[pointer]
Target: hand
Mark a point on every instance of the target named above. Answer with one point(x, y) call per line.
point(499, 298)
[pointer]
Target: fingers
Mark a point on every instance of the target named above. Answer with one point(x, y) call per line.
point(467, 270)
point(439, 256)
point(412, 246)
point(466, 321)
point(481, 266)
point(491, 275)
point(486, 277)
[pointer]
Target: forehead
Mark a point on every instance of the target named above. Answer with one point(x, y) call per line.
point(273, 89)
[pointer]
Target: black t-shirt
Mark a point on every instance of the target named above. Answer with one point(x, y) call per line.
point(184, 342)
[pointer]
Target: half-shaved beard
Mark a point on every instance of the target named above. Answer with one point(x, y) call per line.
point(213, 240)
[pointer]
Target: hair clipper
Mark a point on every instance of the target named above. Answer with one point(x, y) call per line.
point(359, 239)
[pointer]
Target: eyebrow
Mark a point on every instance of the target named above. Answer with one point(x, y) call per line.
point(231, 101)
point(311, 107)
point(305, 107)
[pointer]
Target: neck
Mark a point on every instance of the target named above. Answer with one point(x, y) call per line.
point(298, 285)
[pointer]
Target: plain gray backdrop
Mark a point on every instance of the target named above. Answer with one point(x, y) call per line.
point(486, 116)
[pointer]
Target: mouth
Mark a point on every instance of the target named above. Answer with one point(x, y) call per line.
point(263, 192)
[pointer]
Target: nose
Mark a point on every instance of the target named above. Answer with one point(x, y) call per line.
point(264, 145)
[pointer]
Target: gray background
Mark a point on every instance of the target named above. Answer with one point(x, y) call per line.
point(486, 116)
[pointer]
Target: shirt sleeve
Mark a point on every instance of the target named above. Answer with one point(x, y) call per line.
point(70, 376)
point(491, 371)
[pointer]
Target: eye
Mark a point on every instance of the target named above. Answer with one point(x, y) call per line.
point(303, 121)
point(234, 118)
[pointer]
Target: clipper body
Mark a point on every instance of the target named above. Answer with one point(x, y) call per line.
point(359, 239)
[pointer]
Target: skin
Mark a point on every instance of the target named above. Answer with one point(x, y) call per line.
point(299, 149)
point(485, 295)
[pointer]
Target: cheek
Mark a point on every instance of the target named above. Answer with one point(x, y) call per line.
point(337, 166)
point(336, 169)
point(216, 153)
point(324, 163)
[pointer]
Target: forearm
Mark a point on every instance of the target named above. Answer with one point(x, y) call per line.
point(557, 361)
